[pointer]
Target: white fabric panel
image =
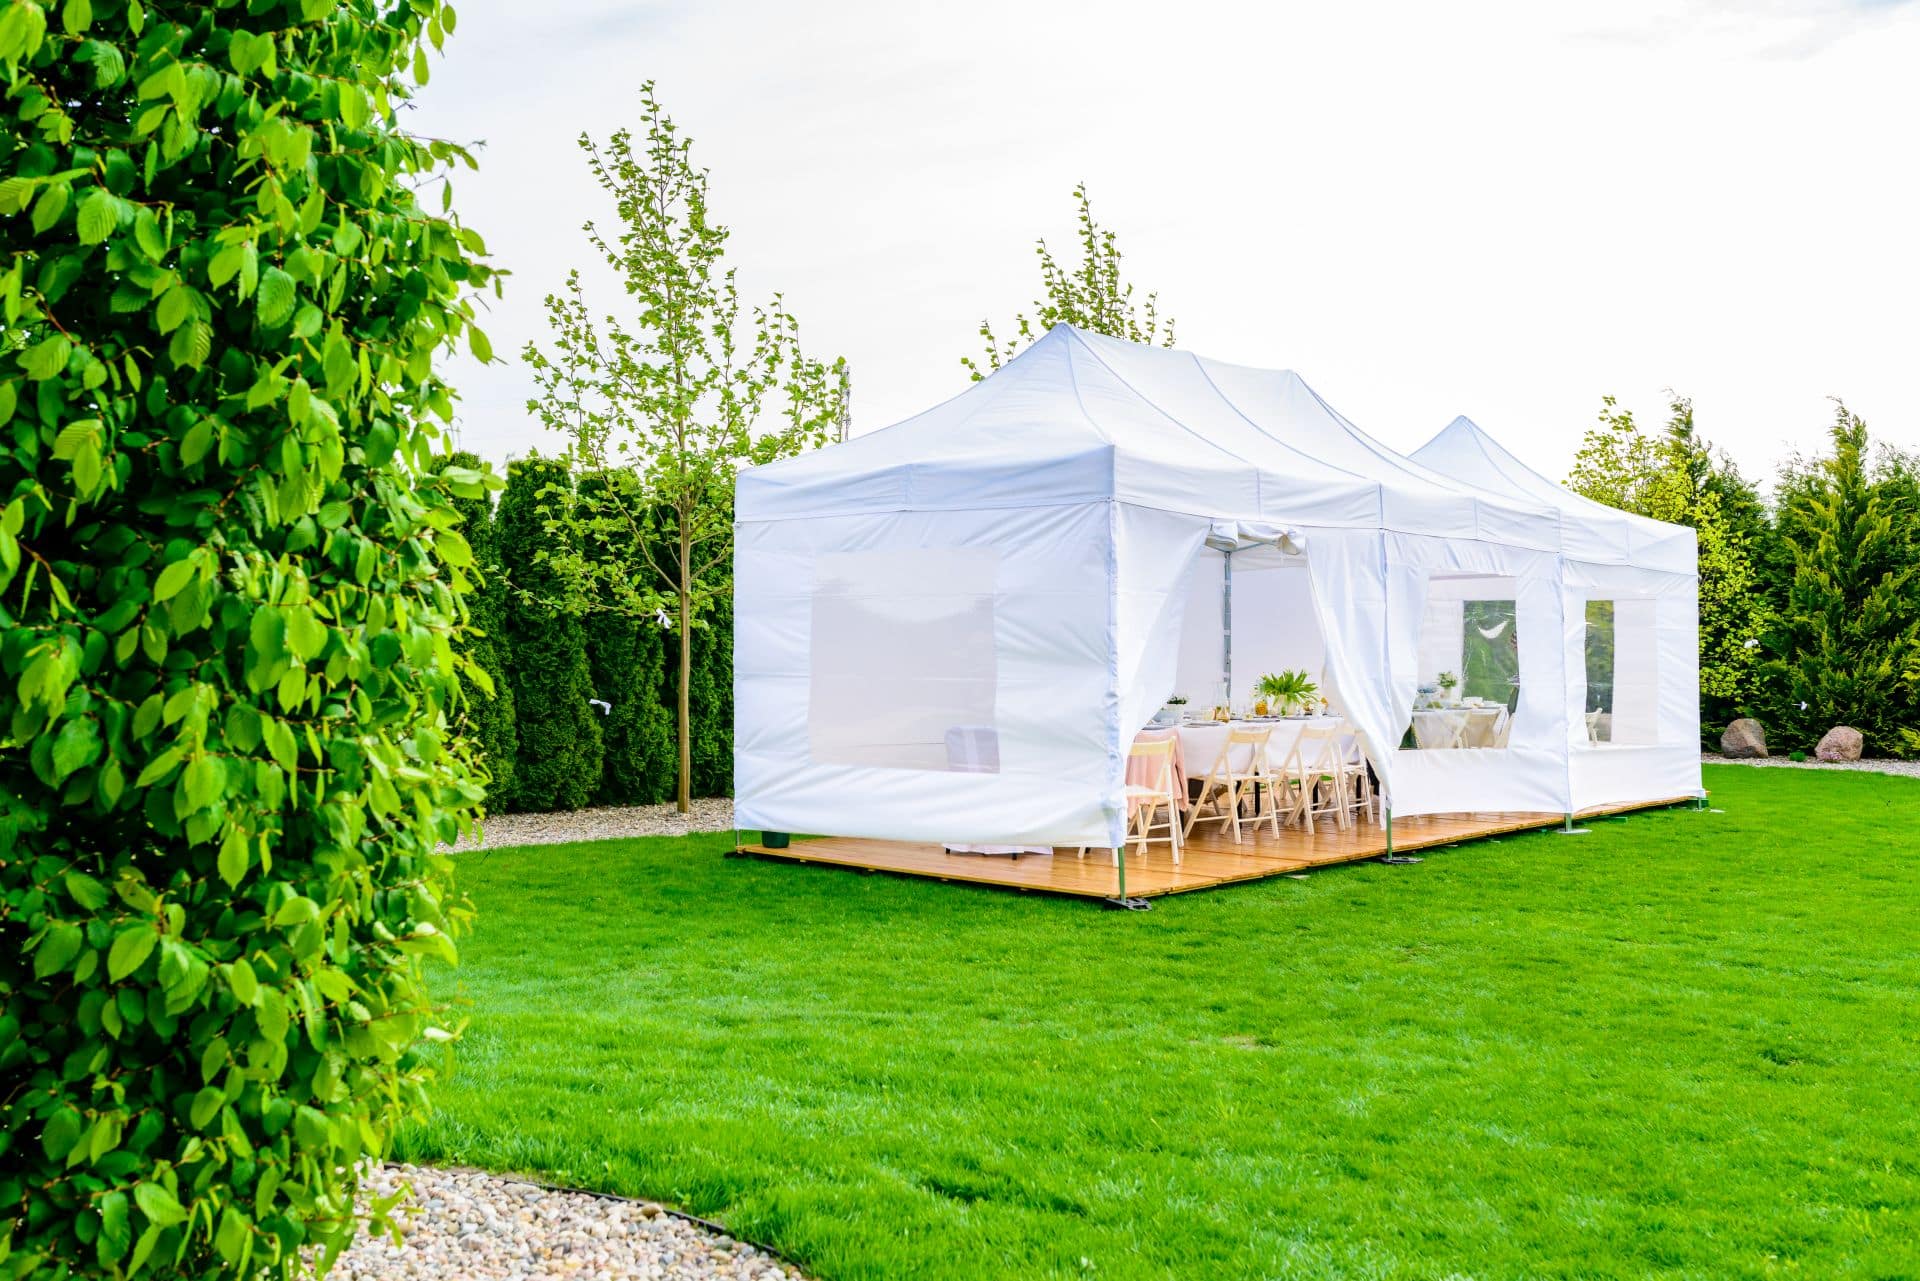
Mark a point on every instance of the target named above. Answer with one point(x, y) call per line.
point(1443, 630)
point(1155, 552)
point(1054, 705)
point(1589, 531)
point(1202, 663)
point(1636, 673)
point(1530, 772)
point(1275, 627)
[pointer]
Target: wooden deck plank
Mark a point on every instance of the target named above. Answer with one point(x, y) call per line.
point(1210, 858)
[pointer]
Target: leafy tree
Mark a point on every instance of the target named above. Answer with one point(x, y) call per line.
point(487, 717)
point(711, 696)
point(628, 658)
point(1842, 649)
point(1674, 476)
point(682, 395)
point(1088, 295)
point(557, 766)
point(229, 597)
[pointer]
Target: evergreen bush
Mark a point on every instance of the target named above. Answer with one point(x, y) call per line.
point(628, 659)
point(557, 765)
point(228, 599)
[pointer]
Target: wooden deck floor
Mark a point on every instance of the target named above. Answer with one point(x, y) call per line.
point(1210, 858)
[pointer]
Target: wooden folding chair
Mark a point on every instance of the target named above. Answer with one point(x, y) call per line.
point(1239, 773)
point(1145, 800)
point(1316, 778)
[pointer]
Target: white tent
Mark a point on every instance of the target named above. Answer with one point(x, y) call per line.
point(951, 629)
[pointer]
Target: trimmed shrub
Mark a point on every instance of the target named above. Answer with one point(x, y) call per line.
point(710, 694)
point(629, 661)
point(627, 656)
point(487, 717)
point(557, 766)
point(227, 604)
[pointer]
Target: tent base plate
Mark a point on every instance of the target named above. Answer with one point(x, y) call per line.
point(1397, 859)
point(1573, 831)
point(1127, 904)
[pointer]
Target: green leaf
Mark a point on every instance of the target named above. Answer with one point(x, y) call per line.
point(201, 781)
point(52, 203)
point(274, 302)
point(62, 1131)
point(76, 16)
point(306, 635)
point(478, 344)
point(73, 747)
point(232, 863)
point(99, 215)
point(192, 344)
point(161, 1207)
point(58, 946)
point(175, 306)
point(198, 440)
point(115, 1232)
point(206, 1105)
point(86, 891)
point(46, 358)
point(226, 264)
point(240, 977)
point(172, 579)
point(131, 947)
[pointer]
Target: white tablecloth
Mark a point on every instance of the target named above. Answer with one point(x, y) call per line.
point(1201, 743)
point(1438, 726)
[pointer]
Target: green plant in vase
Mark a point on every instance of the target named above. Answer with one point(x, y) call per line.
point(1447, 682)
point(1287, 692)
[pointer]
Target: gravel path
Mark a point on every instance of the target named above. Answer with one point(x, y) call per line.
point(460, 1224)
point(1877, 765)
point(710, 814)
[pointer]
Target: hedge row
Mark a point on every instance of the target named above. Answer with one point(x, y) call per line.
point(546, 743)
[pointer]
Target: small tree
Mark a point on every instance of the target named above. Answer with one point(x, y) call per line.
point(487, 716)
point(229, 599)
point(1676, 477)
point(559, 757)
point(1849, 634)
point(1088, 295)
point(684, 393)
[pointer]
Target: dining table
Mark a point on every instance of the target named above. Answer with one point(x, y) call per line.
point(1202, 741)
point(1462, 726)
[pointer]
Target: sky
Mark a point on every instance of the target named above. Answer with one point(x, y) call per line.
point(1505, 210)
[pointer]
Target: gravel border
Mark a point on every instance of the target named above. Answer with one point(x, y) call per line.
point(608, 822)
point(1873, 765)
point(459, 1223)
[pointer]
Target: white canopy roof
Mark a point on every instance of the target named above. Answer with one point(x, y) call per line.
point(1590, 531)
point(1080, 417)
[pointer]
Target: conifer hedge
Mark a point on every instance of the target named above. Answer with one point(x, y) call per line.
point(558, 762)
point(228, 606)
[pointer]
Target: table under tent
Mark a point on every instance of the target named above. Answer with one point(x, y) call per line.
point(950, 633)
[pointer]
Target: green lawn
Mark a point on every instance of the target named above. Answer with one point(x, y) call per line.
point(1686, 1045)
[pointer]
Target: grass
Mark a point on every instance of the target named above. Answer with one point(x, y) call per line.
point(1682, 1046)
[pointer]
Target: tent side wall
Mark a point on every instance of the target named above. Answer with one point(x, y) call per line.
point(930, 675)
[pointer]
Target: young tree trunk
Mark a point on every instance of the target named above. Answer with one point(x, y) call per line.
point(683, 793)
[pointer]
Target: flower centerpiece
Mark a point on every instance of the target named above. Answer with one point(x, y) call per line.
point(1287, 693)
point(1447, 682)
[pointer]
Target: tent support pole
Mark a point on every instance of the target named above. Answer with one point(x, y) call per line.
point(1568, 829)
point(1390, 856)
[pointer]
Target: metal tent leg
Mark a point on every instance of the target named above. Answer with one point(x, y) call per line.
point(1390, 856)
point(1568, 829)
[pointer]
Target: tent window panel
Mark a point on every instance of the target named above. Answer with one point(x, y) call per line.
point(1600, 655)
point(1623, 673)
point(903, 671)
point(1469, 687)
